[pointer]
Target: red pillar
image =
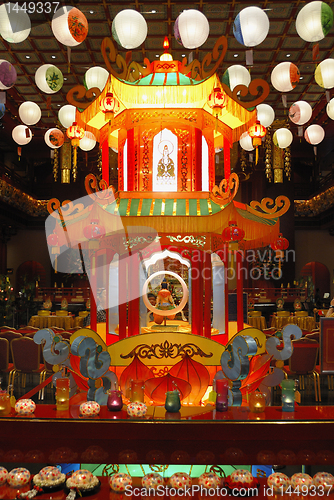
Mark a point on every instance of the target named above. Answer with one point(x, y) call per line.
point(240, 306)
point(198, 159)
point(227, 162)
point(131, 160)
point(105, 162)
point(197, 293)
point(122, 297)
point(225, 261)
point(207, 276)
point(133, 287)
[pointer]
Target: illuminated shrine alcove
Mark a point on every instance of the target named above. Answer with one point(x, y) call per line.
point(165, 164)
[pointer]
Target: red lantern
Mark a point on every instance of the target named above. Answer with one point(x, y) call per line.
point(280, 243)
point(256, 132)
point(217, 101)
point(52, 241)
point(109, 105)
point(93, 232)
point(233, 233)
point(75, 133)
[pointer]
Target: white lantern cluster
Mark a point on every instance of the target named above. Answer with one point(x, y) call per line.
point(246, 142)
point(15, 23)
point(285, 76)
point(69, 25)
point(49, 78)
point(22, 135)
point(66, 115)
point(236, 75)
point(96, 77)
point(191, 29)
point(282, 138)
point(30, 113)
point(265, 114)
point(314, 21)
point(251, 26)
point(324, 74)
point(129, 29)
point(300, 112)
point(88, 142)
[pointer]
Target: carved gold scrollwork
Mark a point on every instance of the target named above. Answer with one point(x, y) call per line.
point(126, 69)
point(81, 98)
point(252, 89)
point(166, 350)
point(99, 190)
point(226, 190)
point(270, 209)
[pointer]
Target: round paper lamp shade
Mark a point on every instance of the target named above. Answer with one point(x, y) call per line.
point(191, 29)
point(69, 25)
point(19, 134)
point(236, 75)
point(251, 26)
point(87, 143)
point(66, 115)
point(54, 138)
point(285, 76)
point(314, 134)
point(30, 113)
point(314, 21)
point(49, 78)
point(96, 77)
point(282, 138)
point(129, 29)
point(8, 75)
point(246, 142)
point(300, 112)
point(265, 114)
point(15, 23)
point(330, 109)
point(324, 74)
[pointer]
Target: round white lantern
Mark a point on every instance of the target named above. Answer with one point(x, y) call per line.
point(69, 25)
point(246, 142)
point(330, 109)
point(314, 134)
point(251, 26)
point(96, 77)
point(265, 114)
point(15, 23)
point(300, 112)
point(314, 21)
point(285, 76)
point(191, 28)
point(20, 133)
point(49, 78)
point(66, 115)
point(54, 138)
point(324, 74)
point(87, 143)
point(129, 29)
point(236, 75)
point(282, 138)
point(30, 113)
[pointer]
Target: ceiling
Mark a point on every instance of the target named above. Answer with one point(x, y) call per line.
point(41, 47)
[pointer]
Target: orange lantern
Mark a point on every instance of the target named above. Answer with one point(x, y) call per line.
point(256, 132)
point(109, 105)
point(217, 101)
point(279, 245)
point(75, 133)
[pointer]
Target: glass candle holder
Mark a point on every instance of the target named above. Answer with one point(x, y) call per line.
point(288, 395)
point(62, 393)
point(222, 394)
point(172, 403)
point(5, 406)
point(137, 391)
point(257, 402)
point(115, 401)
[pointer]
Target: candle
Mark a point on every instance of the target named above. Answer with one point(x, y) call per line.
point(288, 395)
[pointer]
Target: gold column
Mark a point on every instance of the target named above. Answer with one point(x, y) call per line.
point(65, 163)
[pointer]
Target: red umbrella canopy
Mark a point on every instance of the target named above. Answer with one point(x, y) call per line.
point(156, 388)
point(196, 374)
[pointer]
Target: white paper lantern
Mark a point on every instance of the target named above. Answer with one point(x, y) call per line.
point(20, 133)
point(300, 112)
point(54, 138)
point(324, 74)
point(191, 28)
point(69, 25)
point(314, 21)
point(330, 109)
point(282, 138)
point(265, 114)
point(66, 115)
point(96, 77)
point(246, 142)
point(236, 75)
point(30, 113)
point(88, 142)
point(15, 23)
point(285, 76)
point(314, 134)
point(251, 26)
point(49, 78)
point(129, 29)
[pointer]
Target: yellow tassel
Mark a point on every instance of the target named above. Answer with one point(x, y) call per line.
point(256, 155)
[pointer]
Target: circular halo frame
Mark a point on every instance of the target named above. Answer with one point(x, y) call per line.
point(167, 312)
point(163, 143)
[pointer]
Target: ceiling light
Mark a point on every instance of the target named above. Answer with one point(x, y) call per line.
point(65, 78)
point(288, 55)
point(28, 57)
point(301, 78)
point(235, 55)
point(91, 12)
point(157, 55)
point(153, 11)
point(183, 55)
point(53, 57)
